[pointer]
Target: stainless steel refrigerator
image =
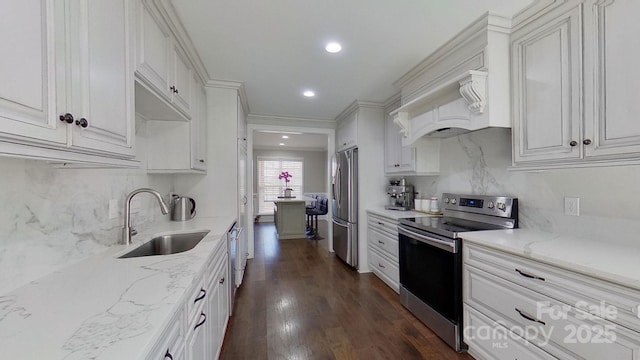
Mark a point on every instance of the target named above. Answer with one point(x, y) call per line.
point(344, 204)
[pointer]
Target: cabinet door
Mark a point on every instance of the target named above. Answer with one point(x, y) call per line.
point(27, 88)
point(197, 339)
point(100, 75)
point(347, 133)
point(199, 128)
point(154, 48)
point(181, 94)
point(392, 145)
point(547, 73)
point(221, 309)
point(612, 88)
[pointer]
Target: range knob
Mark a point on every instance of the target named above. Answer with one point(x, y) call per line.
point(491, 205)
point(453, 201)
point(502, 206)
point(446, 200)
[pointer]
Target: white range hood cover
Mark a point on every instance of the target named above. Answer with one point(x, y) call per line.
point(462, 87)
point(471, 85)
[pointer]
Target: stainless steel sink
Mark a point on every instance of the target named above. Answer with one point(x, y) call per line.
point(167, 244)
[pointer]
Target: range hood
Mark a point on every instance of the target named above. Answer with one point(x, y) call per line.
point(459, 88)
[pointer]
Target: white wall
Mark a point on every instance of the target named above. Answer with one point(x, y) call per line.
point(314, 167)
point(51, 218)
point(478, 163)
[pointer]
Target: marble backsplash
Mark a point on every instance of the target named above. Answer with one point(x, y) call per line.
point(51, 218)
point(479, 163)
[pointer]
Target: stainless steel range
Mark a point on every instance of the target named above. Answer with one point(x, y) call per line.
point(431, 258)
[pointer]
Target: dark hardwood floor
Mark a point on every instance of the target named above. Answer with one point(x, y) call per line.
point(298, 301)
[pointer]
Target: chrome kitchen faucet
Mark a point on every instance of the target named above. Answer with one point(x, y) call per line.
point(127, 231)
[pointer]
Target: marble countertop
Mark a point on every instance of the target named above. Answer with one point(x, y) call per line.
point(105, 307)
point(616, 262)
point(396, 214)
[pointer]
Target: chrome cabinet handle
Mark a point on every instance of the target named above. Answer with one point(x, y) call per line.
point(529, 317)
point(380, 223)
point(203, 293)
point(222, 281)
point(202, 315)
point(573, 143)
point(380, 265)
point(529, 275)
point(380, 242)
point(587, 141)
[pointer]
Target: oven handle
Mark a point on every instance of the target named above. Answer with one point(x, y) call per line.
point(441, 244)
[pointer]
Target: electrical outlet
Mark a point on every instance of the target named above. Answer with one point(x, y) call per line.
point(572, 206)
point(113, 208)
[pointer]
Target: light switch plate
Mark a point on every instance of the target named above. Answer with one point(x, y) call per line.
point(572, 206)
point(113, 208)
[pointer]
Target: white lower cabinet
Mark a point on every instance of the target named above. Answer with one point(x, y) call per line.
point(510, 302)
point(198, 329)
point(382, 234)
point(171, 345)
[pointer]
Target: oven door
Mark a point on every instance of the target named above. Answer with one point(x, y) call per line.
point(431, 269)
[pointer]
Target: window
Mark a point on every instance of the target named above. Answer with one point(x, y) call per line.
point(270, 187)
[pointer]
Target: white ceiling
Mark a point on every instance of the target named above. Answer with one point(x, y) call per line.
point(296, 141)
point(276, 47)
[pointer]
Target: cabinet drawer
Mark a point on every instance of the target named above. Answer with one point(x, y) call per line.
point(384, 269)
point(562, 330)
point(489, 340)
point(383, 224)
point(171, 341)
point(196, 299)
point(584, 292)
point(384, 243)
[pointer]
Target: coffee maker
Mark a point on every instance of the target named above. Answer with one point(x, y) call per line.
point(400, 195)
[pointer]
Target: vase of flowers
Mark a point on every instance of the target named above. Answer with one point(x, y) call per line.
point(285, 175)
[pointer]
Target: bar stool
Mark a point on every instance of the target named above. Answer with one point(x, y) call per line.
point(309, 211)
point(320, 209)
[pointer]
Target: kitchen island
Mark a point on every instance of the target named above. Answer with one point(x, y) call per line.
point(289, 216)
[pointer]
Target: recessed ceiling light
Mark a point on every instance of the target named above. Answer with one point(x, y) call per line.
point(285, 136)
point(309, 93)
point(333, 47)
point(281, 144)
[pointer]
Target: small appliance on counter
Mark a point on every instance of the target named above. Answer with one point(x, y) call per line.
point(182, 208)
point(401, 195)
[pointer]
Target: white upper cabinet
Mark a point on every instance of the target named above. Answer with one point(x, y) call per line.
point(347, 132)
point(611, 97)
point(180, 146)
point(182, 80)
point(421, 158)
point(100, 76)
point(162, 66)
point(575, 86)
point(27, 69)
point(546, 81)
point(199, 128)
point(72, 93)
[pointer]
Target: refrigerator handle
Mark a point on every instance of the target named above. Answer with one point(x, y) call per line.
point(338, 177)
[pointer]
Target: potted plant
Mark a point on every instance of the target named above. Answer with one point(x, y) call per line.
point(285, 175)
